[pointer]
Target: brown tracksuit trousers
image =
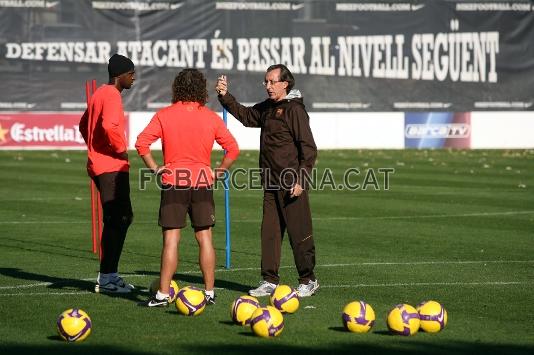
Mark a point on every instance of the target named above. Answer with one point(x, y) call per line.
point(280, 212)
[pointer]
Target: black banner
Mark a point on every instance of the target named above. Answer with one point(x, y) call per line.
point(423, 55)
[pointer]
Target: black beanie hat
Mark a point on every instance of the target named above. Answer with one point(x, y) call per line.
point(119, 64)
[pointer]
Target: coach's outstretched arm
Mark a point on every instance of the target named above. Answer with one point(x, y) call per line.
point(248, 116)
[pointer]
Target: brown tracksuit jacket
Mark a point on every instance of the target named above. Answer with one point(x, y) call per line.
point(287, 148)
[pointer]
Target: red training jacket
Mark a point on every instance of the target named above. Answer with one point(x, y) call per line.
point(102, 127)
point(187, 131)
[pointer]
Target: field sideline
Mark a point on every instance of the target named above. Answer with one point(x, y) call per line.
point(455, 226)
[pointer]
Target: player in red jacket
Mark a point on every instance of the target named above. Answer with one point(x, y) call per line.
point(102, 127)
point(187, 130)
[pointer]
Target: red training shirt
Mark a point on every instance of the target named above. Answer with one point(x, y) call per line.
point(187, 131)
point(102, 127)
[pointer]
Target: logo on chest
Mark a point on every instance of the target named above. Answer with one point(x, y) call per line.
point(279, 112)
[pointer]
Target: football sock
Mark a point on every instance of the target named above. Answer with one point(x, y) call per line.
point(210, 293)
point(161, 296)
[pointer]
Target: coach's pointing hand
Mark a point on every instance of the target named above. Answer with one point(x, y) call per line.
point(222, 85)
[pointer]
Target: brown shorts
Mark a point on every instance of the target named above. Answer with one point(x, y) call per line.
point(177, 202)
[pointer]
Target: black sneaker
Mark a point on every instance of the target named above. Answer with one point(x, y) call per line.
point(114, 285)
point(210, 300)
point(154, 302)
point(111, 287)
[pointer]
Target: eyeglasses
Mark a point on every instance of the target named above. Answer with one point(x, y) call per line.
point(270, 82)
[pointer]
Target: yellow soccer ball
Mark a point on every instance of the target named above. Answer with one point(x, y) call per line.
point(190, 301)
point(173, 290)
point(74, 325)
point(267, 322)
point(433, 316)
point(285, 299)
point(358, 317)
point(242, 309)
point(403, 319)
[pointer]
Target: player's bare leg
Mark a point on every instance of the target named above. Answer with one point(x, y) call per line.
point(169, 258)
point(206, 260)
point(169, 263)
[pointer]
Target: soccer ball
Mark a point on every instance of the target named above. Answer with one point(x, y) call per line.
point(74, 325)
point(190, 301)
point(285, 299)
point(242, 309)
point(433, 316)
point(403, 319)
point(358, 317)
point(267, 322)
point(173, 290)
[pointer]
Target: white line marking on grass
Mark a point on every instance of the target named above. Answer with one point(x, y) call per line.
point(417, 284)
point(405, 284)
point(47, 294)
point(443, 262)
point(476, 214)
point(67, 281)
point(332, 218)
point(32, 199)
point(44, 222)
point(378, 263)
point(26, 286)
point(385, 263)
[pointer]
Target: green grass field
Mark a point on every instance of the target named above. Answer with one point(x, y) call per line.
point(454, 226)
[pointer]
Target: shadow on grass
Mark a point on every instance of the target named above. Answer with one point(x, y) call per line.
point(185, 279)
point(58, 283)
point(55, 338)
point(51, 249)
point(62, 347)
point(268, 346)
point(51, 282)
point(356, 347)
point(383, 332)
point(378, 332)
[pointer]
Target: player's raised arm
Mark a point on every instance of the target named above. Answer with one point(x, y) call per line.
point(248, 116)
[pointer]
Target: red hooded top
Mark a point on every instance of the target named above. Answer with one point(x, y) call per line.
point(102, 127)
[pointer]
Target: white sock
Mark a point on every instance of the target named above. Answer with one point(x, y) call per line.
point(161, 296)
point(210, 293)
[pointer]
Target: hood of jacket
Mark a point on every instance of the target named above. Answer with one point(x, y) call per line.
point(294, 96)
